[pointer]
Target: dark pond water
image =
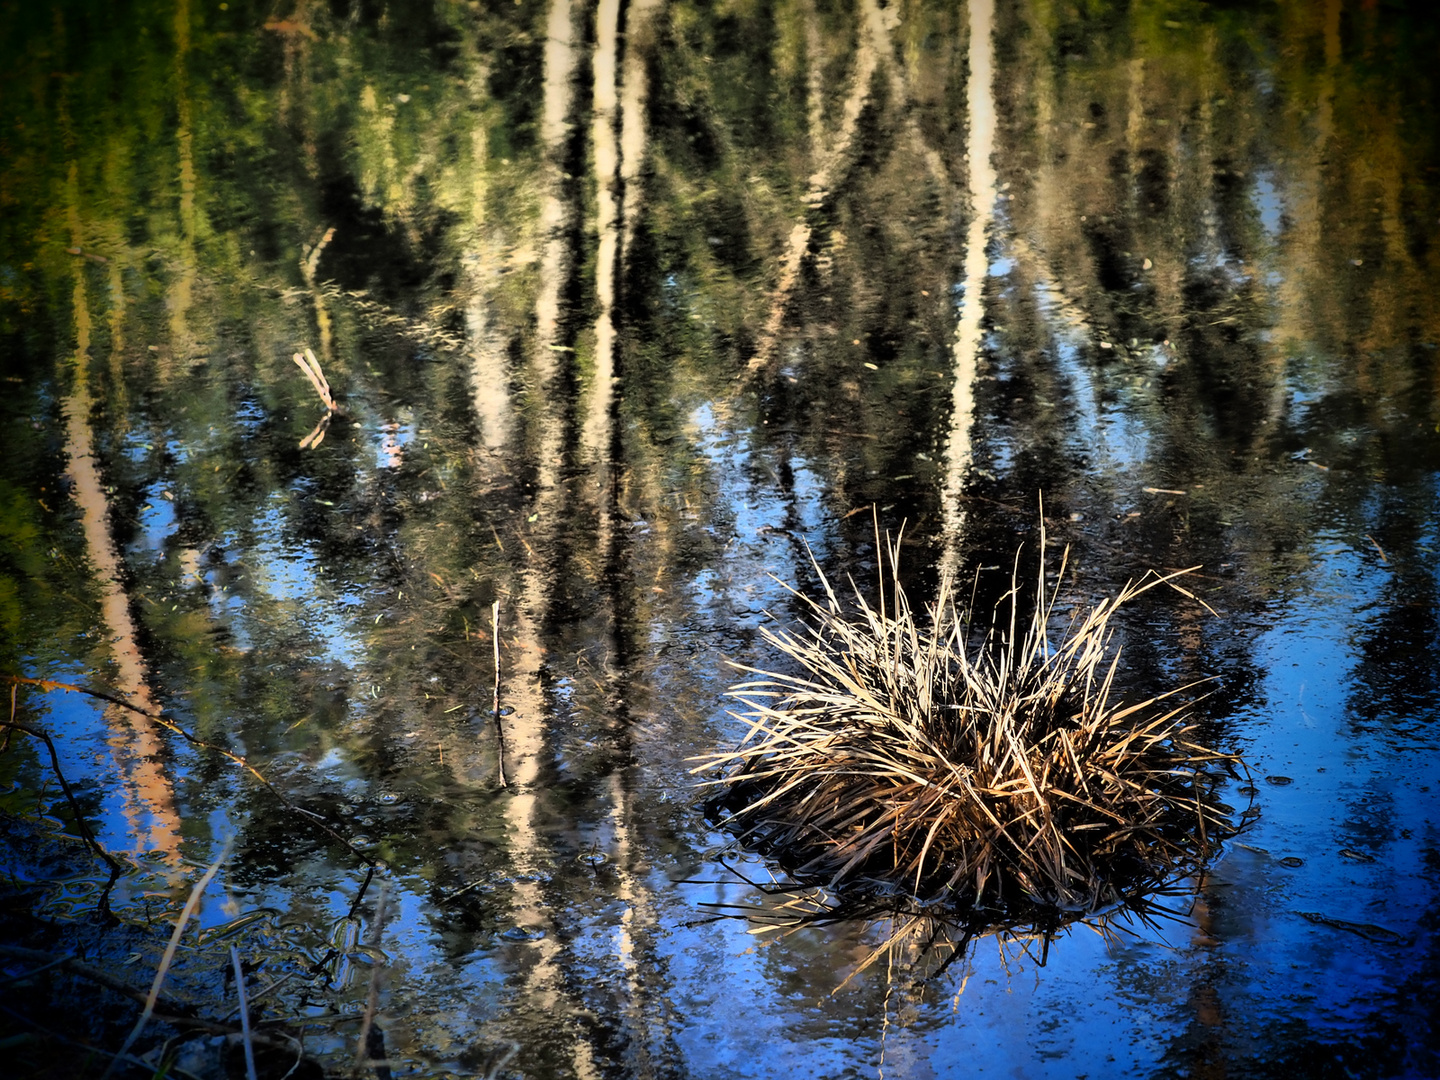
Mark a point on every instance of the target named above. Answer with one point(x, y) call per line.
point(621, 306)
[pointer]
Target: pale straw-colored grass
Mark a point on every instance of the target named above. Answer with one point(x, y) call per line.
point(992, 768)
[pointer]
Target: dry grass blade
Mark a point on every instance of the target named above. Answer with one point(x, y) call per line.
point(994, 771)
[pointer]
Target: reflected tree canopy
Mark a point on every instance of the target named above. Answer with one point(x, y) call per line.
point(626, 306)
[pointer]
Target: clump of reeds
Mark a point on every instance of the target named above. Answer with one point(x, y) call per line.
point(981, 766)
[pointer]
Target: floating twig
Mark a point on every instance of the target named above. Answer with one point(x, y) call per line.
point(495, 701)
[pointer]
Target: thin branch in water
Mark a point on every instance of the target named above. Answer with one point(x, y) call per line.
point(191, 906)
point(495, 701)
point(363, 1051)
point(319, 965)
point(244, 1013)
point(311, 367)
point(80, 823)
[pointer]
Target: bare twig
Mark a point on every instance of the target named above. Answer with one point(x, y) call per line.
point(244, 1013)
point(495, 701)
point(372, 998)
point(80, 824)
point(311, 367)
point(192, 904)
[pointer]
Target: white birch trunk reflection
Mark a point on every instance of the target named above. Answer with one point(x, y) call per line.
point(967, 343)
point(832, 162)
point(489, 375)
point(605, 103)
point(148, 801)
point(526, 744)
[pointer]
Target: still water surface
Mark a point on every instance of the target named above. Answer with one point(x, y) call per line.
point(621, 306)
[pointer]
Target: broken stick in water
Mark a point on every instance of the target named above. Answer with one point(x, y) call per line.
point(495, 702)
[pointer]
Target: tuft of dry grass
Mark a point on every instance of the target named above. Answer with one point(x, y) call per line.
point(985, 768)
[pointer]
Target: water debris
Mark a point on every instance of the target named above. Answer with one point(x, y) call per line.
point(311, 367)
point(998, 781)
point(1379, 934)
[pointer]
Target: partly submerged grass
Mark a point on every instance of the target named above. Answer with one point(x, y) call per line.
point(996, 773)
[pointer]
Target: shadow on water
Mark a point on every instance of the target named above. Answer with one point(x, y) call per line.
point(607, 313)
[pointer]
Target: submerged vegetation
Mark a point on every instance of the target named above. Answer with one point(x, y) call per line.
point(996, 776)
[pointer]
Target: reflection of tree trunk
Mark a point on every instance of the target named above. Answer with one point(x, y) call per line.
point(605, 104)
point(182, 287)
point(833, 165)
point(980, 143)
point(119, 396)
point(133, 740)
point(556, 219)
point(489, 377)
point(489, 369)
point(526, 730)
point(617, 174)
point(634, 93)
point(309, 267)
point(1301, 254)
point(878, 25)
point(874, 51)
